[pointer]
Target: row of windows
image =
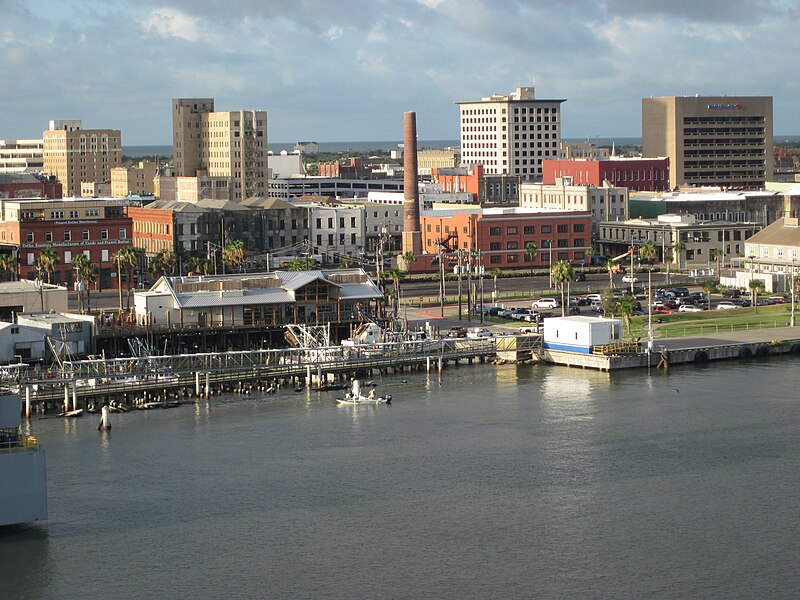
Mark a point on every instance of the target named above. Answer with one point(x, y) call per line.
point(528, 229)
point(341, 222)
point(342, 238)
point(67, 235)
point(545, 244)
point(103, 255)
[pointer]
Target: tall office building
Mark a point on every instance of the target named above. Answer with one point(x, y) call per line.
point(711, 140)
point(225, 151)
point(74, 155)
point(510, 134)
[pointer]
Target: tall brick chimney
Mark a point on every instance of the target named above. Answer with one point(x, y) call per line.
point(412, 231)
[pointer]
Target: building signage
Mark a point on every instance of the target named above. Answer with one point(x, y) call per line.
point(76, 244)
point(725, 106)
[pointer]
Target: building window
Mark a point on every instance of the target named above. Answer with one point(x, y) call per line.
point(495, 259)
point(512, 246)
point(547, 229)
point(494, 245)
point(562, 228)
point(29, 236)
point(67, 235)
point(494, 231)
point(562, 243)
point(563, 256)
point(511, 230)
point(123, 233)
point(577, 227)
point(512, 258)
point(529, 229)
point(48, 236)
point(104, 234)
point(85, 234)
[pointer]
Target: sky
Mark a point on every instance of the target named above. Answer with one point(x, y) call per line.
point(346, 70)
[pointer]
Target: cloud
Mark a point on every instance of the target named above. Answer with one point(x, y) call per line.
point(334, 32)
point(172, 23)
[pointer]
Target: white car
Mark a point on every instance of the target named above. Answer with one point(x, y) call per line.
point(546, 303)
point(478, 332)
point(689, 308)
point(725, 304)
point(630, 279)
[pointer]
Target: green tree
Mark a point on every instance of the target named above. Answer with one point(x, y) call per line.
point(46, 262)
point(709, 287)
point(716, 254)
point(409, 258)
point(8, 266)
point(163, 263)
point(756, 287)
point(495, 274)
point(198, 264)
point(562, 275)
point(647, 252)
point(531, 251)
point(678, 248)
point(305, 263)
point(396, 275)
point(622, 306)
point(124, 259)
point(234, 255)
point(668, 259)
point(345, 261)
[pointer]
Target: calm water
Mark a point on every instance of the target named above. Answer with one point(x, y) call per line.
point(501, 482)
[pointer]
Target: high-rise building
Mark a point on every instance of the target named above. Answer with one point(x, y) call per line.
point(74, 155)
point(711, 140)
point(20, 156)
point(510, 134)
point(226, 151)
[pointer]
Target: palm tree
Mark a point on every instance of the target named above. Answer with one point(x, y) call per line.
point(589, 254)
point(163, 263)
point(709, 287)
point(678, 247)
point(562, 274)
point(408, 258)
point(7, 265)
point(301, 264)
point(531, 251)
point(647, 252)
point(198, 264)
point(610, 264)
point(716, 254)
point(79, 263)
point(234, 254)
point(47, 261)
point(495, 274)
point(345, 261)
point(623, 306)
point(395, 275)
point(668, 259)
point(124, 258)
point(756, 286)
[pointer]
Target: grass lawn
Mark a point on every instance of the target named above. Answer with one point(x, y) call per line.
point(713, 321)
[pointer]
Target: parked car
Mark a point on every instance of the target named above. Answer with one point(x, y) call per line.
point(778, 299)
point(596, 306)
point(690, 308)
point(457, 331)
point(594, 298)
point(630, 279)
point(531, 328)
point(732, 293)
point(478, 332)
point(580, 276)
point(532, 317)
point(491, 311)
point(525, 312)
point(725, 304)
point(546, 303)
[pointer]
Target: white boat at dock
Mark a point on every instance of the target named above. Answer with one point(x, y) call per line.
point(355, 397)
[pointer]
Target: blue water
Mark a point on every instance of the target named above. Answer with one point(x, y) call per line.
point(500, 482)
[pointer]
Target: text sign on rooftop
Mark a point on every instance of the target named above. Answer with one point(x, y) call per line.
point(725, 106)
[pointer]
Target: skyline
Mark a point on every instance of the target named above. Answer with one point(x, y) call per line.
point(348, 70)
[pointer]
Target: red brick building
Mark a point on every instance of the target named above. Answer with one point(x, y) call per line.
point(502, 234)
point(460, 179)
point(153, 229)
point(26, 185)
point(95, 227)
point(637, 174)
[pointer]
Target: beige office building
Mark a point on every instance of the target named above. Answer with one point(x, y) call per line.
point(510, 133)
point(711, 140)
point(74, 155)
point(134, 180)
point(21, 156)
point(429, 159)
point(226, 151)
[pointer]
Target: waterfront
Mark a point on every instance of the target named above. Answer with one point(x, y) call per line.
point(510, 481)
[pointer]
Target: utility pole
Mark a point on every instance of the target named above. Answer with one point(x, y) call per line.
point(458, 272)
point(441, 275)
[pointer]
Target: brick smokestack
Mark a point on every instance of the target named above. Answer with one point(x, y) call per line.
point(412, 231)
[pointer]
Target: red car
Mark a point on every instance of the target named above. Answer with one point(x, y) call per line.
point(663, 311)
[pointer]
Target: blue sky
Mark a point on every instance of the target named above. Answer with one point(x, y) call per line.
point(346, 70)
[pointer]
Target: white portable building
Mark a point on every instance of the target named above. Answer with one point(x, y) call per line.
point(579, 333)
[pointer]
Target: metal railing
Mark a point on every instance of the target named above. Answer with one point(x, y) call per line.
point(19, 442)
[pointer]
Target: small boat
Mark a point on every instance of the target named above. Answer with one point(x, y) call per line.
point(356, 400)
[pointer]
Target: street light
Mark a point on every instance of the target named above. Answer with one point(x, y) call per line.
point(550, 262)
